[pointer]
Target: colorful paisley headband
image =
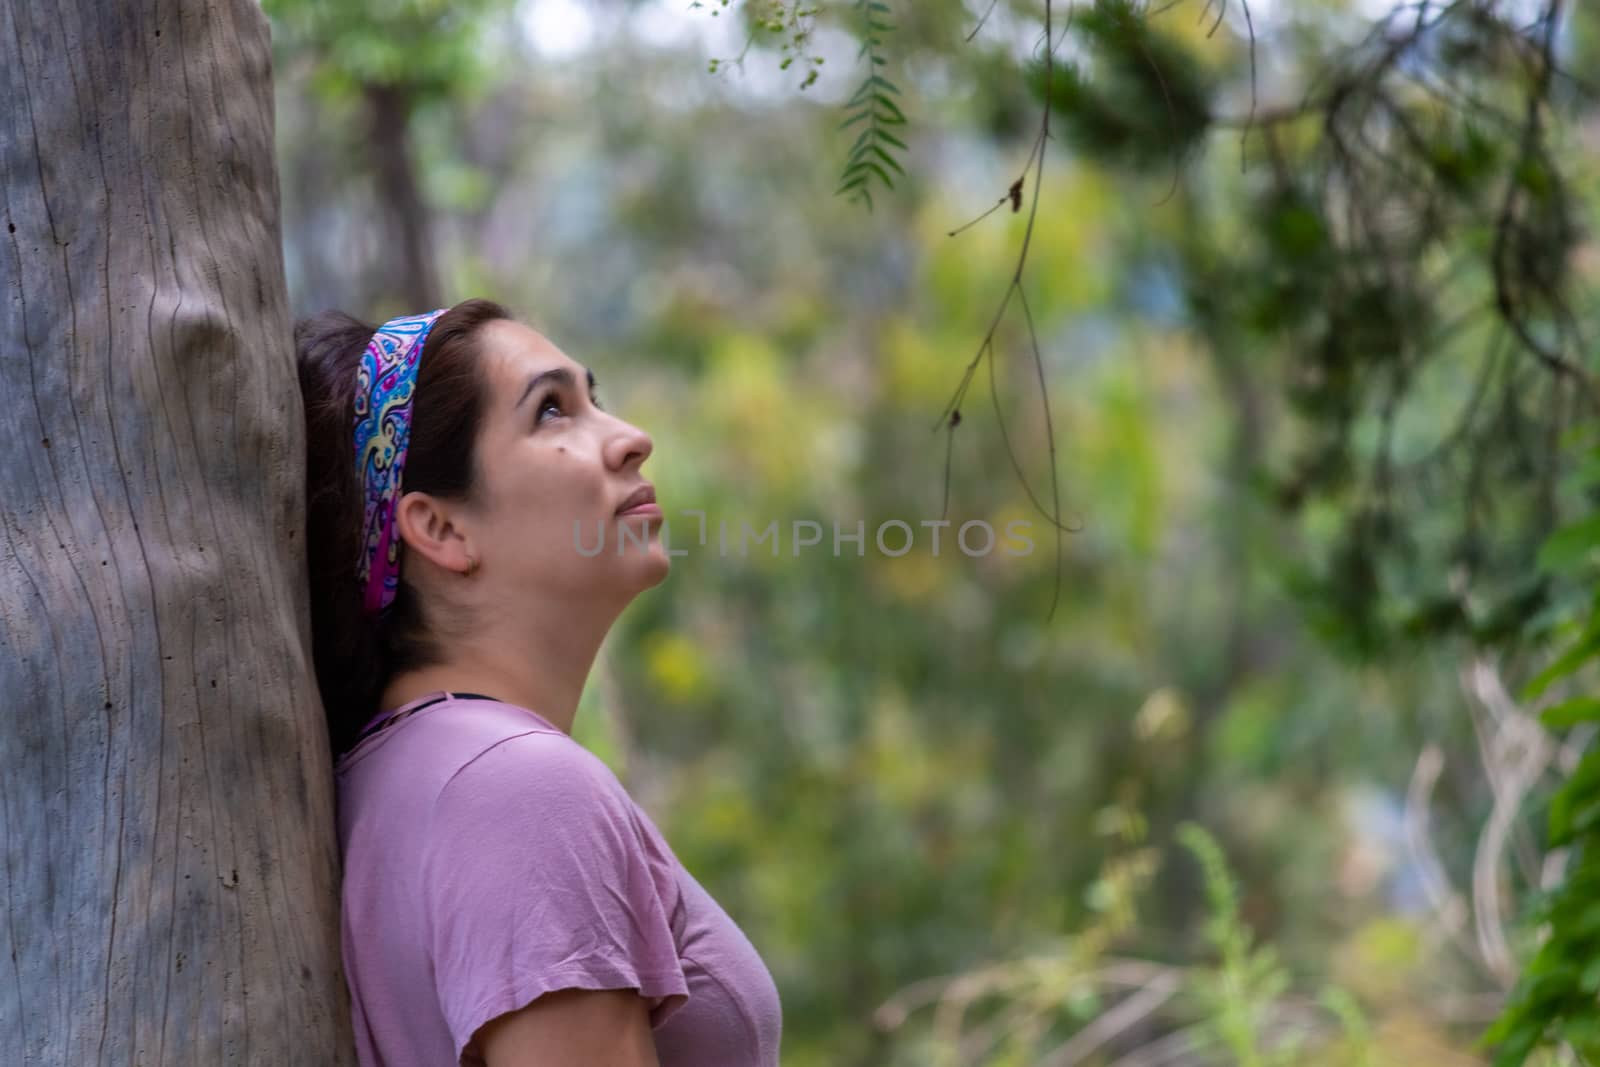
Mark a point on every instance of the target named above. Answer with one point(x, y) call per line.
point(385, 383)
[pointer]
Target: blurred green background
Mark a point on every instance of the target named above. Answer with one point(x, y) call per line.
point(1296, 602)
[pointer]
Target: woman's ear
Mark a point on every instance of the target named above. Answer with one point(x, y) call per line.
point(431, 528)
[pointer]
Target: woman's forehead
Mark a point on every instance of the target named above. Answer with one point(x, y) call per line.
point(521, 352)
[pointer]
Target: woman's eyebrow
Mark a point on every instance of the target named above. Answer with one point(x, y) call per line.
point(560, 375)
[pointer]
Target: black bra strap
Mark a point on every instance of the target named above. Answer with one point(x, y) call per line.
point(381, 723)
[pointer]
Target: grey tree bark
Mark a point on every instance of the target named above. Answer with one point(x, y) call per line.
point(166, 811)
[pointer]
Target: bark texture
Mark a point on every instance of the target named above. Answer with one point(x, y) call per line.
point(166, 811)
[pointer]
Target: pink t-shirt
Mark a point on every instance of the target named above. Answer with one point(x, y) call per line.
point(489, 858)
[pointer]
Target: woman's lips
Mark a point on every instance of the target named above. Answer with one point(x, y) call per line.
point(651, 509)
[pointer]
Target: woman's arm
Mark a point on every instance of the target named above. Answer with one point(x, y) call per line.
point(597, 1028)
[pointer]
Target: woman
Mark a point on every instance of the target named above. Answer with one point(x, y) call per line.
point(505, 901)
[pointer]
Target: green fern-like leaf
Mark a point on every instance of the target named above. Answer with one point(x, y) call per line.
point(871, 158)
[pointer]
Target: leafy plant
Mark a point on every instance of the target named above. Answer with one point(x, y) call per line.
point(1557, 997)
point(874, 106)
point(1239, 993)
point(1242, 1005)
point(793, 21)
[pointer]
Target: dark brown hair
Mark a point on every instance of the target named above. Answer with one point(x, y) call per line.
point(355, 654)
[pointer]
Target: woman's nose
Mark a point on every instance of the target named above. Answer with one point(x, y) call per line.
point(627, 443)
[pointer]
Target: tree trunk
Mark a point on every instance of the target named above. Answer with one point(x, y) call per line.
point(407, 268)
point(166, 807)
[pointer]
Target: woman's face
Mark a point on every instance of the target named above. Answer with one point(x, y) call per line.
point(553, 469)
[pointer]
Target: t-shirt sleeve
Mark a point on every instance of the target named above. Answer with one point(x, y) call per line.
point(537, 877)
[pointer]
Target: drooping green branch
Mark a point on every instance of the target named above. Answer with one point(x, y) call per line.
point(873, 108)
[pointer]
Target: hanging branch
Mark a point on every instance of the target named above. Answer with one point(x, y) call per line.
point(950, 417)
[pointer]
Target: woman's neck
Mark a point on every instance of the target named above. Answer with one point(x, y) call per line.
point(546, 676)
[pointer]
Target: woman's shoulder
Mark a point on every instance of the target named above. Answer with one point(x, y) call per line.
point(490, 759)
point(534, 762)
point(554, 812)
point(508, 764)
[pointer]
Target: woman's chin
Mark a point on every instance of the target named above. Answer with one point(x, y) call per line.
point(645, 567)
point(637, 558)
point(655, 564)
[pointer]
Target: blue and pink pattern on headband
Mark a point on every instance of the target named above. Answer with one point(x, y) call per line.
point(386, 381)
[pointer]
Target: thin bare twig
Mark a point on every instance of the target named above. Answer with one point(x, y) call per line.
point(1129, 1012)
point(986, 13)
point(1449, 908)
point(949, 418)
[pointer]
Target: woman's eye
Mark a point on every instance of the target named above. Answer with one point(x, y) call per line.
point(553, 401)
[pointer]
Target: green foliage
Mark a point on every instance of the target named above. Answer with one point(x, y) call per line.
point(430, 48)
point(791, 22)
point(1247, 980)
point(1238, 1004)
point(1554, 1001)
point(872, 107)
point(871, 110)
point(1139, 98)
point(1557, 997)
point(1361, 1048)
